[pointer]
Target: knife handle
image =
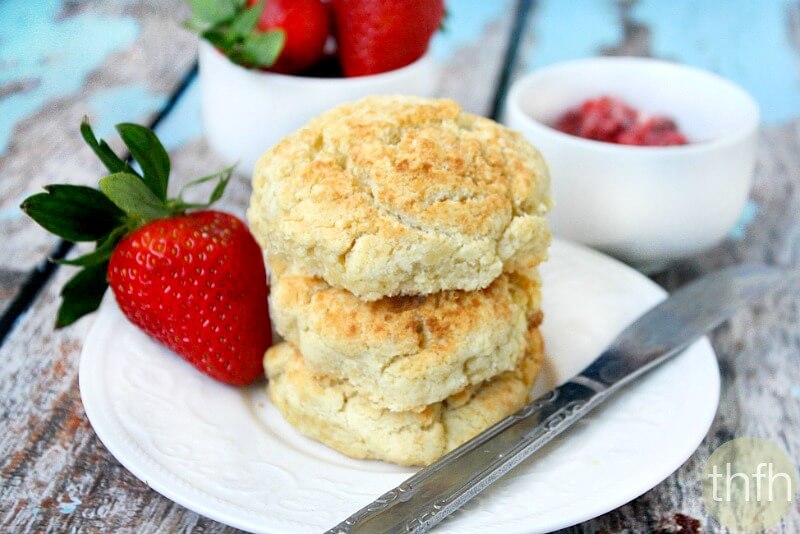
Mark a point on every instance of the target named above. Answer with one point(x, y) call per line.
point(436, 491)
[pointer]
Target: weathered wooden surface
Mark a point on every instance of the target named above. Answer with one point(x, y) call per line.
point(113, 61)
point(56, 474)
point(758, 349)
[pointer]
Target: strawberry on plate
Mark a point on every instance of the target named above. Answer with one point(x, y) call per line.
point(193, 281)
point(376, 36)
point(305, 24)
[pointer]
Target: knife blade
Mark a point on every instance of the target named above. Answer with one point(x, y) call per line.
point(665, 330)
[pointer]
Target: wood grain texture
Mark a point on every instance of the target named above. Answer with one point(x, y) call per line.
point(56, 474)
point(10, 282)
point(759, 348)
point(472, 70)
point(125, 84)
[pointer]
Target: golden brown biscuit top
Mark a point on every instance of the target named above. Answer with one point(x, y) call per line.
point(430, 164)
point(412, 177)
point(424, 162)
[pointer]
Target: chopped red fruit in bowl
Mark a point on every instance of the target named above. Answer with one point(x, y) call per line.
point(624, 178)
point(611, 120)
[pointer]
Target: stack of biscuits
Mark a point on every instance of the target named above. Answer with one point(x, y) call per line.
point(403, 237)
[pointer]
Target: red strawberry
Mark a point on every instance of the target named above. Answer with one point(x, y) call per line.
point(612, 121)
point(605, 118)
point(654, 131)
point(570, 122)
point(194, 282)
point(306, 24)
point(377, 36)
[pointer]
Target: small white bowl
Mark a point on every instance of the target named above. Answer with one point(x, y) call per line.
point(247, 111)
point(646, 205)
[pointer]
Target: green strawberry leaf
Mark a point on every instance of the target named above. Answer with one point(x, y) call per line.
point(112, 162)
point(245, 22)
point(151, 155)
point(263, 49)
point(239, 38)
point(132, 196)
point(125, 201)
point(219, 189)
point(220, 39)
point(195, 25)
point(73, 212)
point(223, 177)
point(101, 253)
point(82, 294)
point(215, 11)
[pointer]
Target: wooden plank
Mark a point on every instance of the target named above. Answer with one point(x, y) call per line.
point(472, 49)
point(63, 60)
point(756, 45)
point(56, 474)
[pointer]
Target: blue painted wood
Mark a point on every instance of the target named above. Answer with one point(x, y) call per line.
point(123, 103)
point(560, 30)
point(46, 56)
point(577, 29)
point(37, 72)
point(59, 60)
point(465, 23)
point(184, 124)
point(746, 41)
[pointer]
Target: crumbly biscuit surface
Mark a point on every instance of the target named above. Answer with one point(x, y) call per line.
point(404, 353)
point(402, 195)
point(331, 411)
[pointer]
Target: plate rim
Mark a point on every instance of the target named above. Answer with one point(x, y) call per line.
point(116, 439)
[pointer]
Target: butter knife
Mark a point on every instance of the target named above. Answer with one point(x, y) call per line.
point(665, 330)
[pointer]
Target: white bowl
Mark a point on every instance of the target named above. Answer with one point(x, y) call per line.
point(646, 205)
point(247, 111)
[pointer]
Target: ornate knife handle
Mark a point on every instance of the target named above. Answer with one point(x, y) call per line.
point(434, 492)
point(666, 329)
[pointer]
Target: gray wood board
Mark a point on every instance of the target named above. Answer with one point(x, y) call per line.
point(46, 146)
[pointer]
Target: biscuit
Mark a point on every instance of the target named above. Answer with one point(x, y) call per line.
point(403, 353)
point(331, 411)
point(402, 196)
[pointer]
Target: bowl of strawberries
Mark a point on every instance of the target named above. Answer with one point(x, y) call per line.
point(266, 68)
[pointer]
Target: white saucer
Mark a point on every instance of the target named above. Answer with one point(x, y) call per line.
point(226, 453)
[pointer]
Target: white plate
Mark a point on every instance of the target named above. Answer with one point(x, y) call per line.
point(227, 453)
